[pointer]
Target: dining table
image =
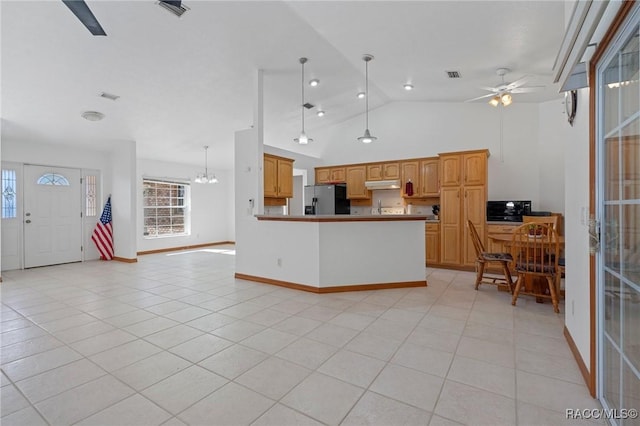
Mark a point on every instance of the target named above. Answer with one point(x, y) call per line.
point(530, 283)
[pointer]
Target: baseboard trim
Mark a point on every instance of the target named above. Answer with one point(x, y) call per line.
point(125, 259)
point(164, 250)
point(334, 289)
point(586, 375)
point(452, 267)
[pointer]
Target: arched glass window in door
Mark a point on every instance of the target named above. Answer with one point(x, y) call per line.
point(53, 179)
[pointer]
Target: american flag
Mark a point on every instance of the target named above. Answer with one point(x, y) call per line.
point(103, 233)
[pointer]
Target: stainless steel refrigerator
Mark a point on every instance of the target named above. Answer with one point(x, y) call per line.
point(326, 199)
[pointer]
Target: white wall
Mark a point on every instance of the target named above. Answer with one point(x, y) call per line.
point(211, 209)
point(576, 185)
point(553, 133)
point(420, 129)
point(124, 199)
point(248, 179)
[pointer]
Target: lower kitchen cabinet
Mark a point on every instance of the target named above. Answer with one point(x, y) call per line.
point(432, 243)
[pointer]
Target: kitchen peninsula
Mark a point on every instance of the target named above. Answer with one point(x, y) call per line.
point(334, 253)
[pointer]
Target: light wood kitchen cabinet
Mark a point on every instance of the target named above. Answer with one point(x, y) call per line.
point(429, 177)
point(474, 168)
point(474, 209)
point(383, 171)
point(410, 171)
point(278, 177)
point(463, 197)
point(356, 176)
point(450, 229)
point(330, 174)
point(432, 244)
point(450, 169)
point(323, 175)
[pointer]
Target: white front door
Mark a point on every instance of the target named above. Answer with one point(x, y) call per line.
point(52, 216)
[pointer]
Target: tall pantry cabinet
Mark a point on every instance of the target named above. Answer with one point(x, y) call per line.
point(463, 196)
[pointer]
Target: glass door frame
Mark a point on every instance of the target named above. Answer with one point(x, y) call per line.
point(622, 35)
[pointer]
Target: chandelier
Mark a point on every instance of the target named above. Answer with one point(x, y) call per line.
point(206, 177)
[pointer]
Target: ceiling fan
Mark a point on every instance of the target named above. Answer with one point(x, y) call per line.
point(88, 19)
point(502, 94)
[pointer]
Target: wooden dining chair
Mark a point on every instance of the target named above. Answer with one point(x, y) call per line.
point(549, 220)
point(530, 249)
point(484, 258)
point(552, 220)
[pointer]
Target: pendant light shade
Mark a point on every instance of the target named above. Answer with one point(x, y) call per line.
point(206, 177)
point(366, 138)
point(303, 139)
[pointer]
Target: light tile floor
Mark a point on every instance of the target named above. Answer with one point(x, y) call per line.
point(175, 339)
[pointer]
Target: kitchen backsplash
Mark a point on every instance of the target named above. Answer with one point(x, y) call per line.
point(389, 198)
point(275, 210)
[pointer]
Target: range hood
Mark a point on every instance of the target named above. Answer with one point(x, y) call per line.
point(383, 184)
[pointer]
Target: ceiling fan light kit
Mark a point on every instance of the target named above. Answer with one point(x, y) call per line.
point(303, 139)
point(503, 93)
point(366, 138)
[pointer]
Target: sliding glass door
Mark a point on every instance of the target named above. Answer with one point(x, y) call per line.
point(618, 211)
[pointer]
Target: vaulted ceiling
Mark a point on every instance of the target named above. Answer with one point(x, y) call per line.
point(189, 81)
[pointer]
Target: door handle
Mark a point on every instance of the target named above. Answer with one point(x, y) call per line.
point(28, 221)
point(27, 214)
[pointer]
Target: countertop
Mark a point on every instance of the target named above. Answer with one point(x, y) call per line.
point(505, 223)
point(344, 218)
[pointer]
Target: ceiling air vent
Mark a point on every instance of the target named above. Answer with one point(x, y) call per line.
point(453, 74)
point(109, 96)
point(308, 105)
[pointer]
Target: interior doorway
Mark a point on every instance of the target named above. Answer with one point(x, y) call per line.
point(52, 215)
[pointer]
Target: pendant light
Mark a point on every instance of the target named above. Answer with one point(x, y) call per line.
point(302, 139)
point(366, 138)
point(206, 177)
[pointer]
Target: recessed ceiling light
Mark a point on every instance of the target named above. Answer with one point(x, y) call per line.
point(361, 95)
point(320, 113)
point(408, 86)
point(92, 115)
point(314, 82)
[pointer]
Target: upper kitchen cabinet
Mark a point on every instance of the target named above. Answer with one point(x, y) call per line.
point(450, 169)
point(383, 171)
point(429, 177)
point(474, 168)
point(356, 176)
point(330, 175)
point(464, 168)
point(278, 177)
point(410, 172)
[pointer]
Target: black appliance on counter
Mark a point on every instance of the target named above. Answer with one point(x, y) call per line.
point(507, 211)
point(326, 199)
